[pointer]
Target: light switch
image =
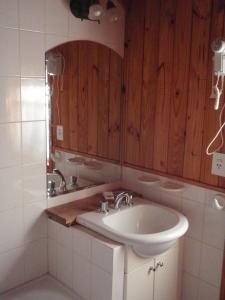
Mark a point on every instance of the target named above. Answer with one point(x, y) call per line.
point(59, 132)
point(218, 164)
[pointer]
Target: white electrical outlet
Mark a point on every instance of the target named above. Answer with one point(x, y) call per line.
point(218, 164)
point(59, 132)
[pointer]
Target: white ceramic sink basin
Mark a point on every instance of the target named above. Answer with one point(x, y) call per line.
point(148, 227)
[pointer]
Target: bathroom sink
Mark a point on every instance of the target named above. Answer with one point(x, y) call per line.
point(149, 228)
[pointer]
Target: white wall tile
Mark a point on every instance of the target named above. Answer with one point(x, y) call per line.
point(33, 142)
point(33, 99)
point(11, 188)
point(172, 200)
point(81, 276)
point(34, 182)
point(190, 287)
point(11, 236)
point(12, 269)
point(65, 236)
point(214, 227)
point(35, 257)
point(101, 284)
point(82, 243)
point(102, 255)
point(208, 292)
point(211, 265)
point(9, 52)
point(65, 265)
point(57, 17)
point(194, 211)
point(53, 40)
point(10, 99)
point(32, 15)
point(32, 49)
point(35, 221)
point(52, 257)
point(53, 229)
point(192, 256)
point(10, 144)
point(9, 13)
point(194, 193)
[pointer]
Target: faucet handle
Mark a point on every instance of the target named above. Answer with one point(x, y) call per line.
point(104, 208)
point(130, 199)
point(73, 180)
point(51, 188)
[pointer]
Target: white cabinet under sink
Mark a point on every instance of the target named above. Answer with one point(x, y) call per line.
point(139, 284)
point(96, 268)
point(156, 278)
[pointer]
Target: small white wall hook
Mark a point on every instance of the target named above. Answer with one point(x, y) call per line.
point(219, 202)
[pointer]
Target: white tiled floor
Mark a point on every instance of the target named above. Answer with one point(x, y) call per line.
point(45, 288)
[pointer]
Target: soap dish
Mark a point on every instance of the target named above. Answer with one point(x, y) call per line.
point(93, 165)
point(170, 186)
point(78, 160)
point(148, 180)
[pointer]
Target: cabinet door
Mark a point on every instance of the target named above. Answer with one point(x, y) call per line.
point(166, 276)
point(139, 283)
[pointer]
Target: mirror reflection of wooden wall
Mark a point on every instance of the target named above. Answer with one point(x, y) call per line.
point(89, 103)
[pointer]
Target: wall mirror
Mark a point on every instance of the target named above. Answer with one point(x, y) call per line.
point(83, 84)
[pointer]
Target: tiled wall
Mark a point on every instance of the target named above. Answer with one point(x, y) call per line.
point(27, 29)
point(86, 262)
point(204, 241)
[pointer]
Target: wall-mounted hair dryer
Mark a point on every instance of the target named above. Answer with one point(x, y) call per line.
point(218, 47)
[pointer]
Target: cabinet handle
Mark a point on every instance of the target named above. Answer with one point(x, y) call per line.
point(159, 264)
point(150, 270)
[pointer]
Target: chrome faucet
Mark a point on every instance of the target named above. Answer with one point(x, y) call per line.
point(123, 197)
point(62, 186)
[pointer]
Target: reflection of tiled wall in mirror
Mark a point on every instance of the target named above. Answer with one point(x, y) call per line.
point(90, 171)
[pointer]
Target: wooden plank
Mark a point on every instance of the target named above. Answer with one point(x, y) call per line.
point(149, 85)
point(73, 95)
point(93, 98)
point(165, 66)
point(133, 80)
point(83, 98)
point(103, 100)
point(115, 89)
point(179, 92)
point(197, 88)
point(211, 116)
point(66, 214)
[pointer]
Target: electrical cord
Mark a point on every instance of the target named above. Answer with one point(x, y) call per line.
point(219, 132)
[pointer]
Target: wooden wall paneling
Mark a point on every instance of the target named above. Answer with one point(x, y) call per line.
point(197, 88)
point(115, 90)
point(73, 95)
point(52, 112)
point(103, 101)
point(133, 80)
point(64, 98)
point(179, 91)
point(222, 179)
point(211, 118)
point(83, 98)
point(165, 67)
point(149, 85)
point(93, 98)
